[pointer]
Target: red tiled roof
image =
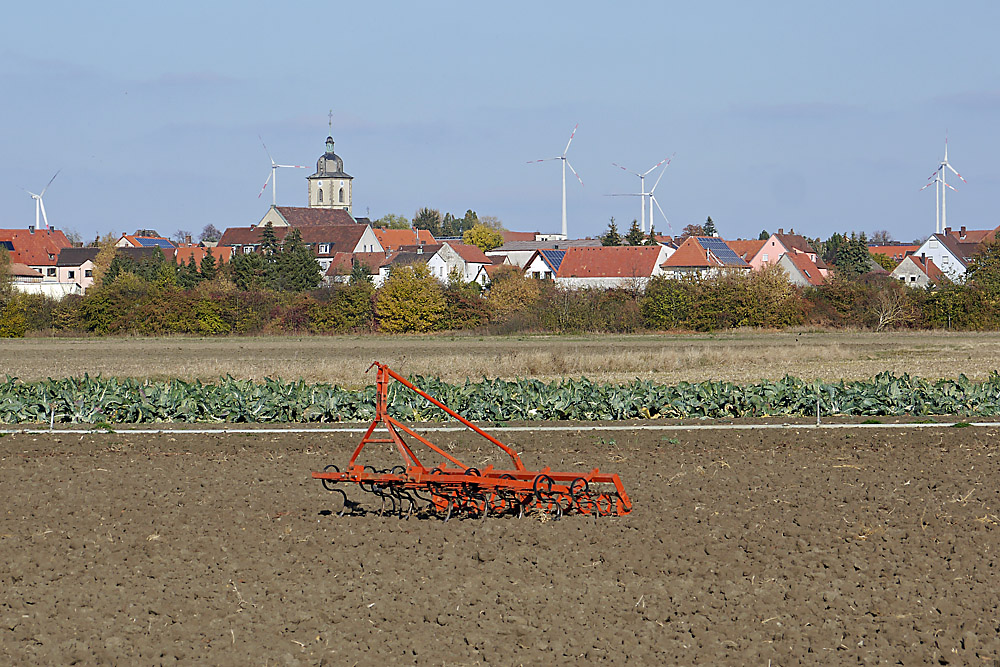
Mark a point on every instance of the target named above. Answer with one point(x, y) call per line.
point(806, 267)
point(517, 236)
point(343, 262)
point(896, 252)
point(221, 254)
point(37, 248)
point(692, 254)
point(746, 249)
point(973, 235)
point(609, 262)
point(342, 238)
point(469, 253)
point(795, 242)
point(929, 268)
point(19, 270)
point(394, 238)
point(305, 216)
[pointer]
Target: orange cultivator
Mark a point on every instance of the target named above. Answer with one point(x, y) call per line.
point(445, 490)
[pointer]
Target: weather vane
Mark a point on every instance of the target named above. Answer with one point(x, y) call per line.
point(331, 122)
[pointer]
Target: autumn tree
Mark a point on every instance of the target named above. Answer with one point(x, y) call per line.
point(210, 233)
point(393, 221)
point(693, 230)
point(483, 237)
point(510, 292)
point(105, 255)
point(410, 300)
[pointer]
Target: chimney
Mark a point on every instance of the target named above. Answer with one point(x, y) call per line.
point(31, 229)
point(961, 233)
point(187, 239)
point(947, 231)
point(781, 230)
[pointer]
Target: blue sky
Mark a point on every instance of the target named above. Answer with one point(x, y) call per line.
point(799, 115)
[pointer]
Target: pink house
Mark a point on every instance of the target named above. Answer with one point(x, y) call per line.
point(781, 244)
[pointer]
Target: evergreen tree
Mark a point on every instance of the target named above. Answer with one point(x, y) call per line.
point(429, 219)
point(764, 235)
point(710, 227)
point(296, 268)
point(853, 257)
point(208, 267)
point(651, 238)
point(470, 220)
point(450, 226)
point(248, 271)
point(360, 274)
point(187, 274)
point(612, 237)
point(635, 235)
point(269, 245)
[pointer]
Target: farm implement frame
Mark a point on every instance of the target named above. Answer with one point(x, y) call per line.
point(459, 489)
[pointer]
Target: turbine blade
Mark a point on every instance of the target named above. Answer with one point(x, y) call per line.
point(574, 171)
point(665, 219)
point(572, 134)
point(57, 173)
point(45, 218)
point(265, 184)
point(290, 166)
point(627, 169)
point(265, 149)
point(544, 159)
point(948, 185)
point(928, 185)
point(626, 194)
point(655, 166)
point(658, 178)
point(949, 166)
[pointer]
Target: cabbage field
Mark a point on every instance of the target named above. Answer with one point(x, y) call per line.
point(100, 400)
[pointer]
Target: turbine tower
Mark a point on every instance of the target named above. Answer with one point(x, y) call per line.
point(274, 174)
point(941, 186)
point(642, 188)
point(565, 163)
point(40, 205)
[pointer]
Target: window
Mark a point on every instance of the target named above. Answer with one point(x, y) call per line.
point(247, 249)
point(324, 248)
point(50, 271)
point(319, 196)
point(88, 273)
point(71, 275)
point(913, 279)
point(903, 278)
point(764, 257)
point(341, 195)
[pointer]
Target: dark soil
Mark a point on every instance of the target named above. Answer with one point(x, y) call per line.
point(745, 547)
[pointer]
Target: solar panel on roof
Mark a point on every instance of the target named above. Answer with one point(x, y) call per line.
point(553, 257)
point(721, 250)
point(7, 245)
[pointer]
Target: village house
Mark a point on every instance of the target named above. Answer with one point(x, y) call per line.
point(894, 252)
point(305, 216)
point(544, 264)
point(519, 252)
point(326, 241)
point(948, 253)
point(780, 244)
point(703, 256)
point(801, 270)
point(36, 248)
point(221, 254)
point(918, 271)
point(610, 267)
point(392, 239)
point(144, 238)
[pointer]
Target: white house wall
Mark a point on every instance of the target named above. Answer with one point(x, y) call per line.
point(947, 262)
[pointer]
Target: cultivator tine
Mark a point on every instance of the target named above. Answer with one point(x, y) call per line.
point(461, 490)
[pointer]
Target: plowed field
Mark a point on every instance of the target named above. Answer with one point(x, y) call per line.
point(839, 546)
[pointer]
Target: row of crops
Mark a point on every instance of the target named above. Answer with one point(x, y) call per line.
point(98, 400)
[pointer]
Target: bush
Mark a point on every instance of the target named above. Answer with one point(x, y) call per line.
point(410, 300)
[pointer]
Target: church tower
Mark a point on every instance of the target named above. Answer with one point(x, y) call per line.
point(330, 187)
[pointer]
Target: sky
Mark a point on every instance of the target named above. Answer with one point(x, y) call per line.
point(817, 117)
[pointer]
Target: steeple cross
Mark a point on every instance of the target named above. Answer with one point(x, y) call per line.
point(331, 122)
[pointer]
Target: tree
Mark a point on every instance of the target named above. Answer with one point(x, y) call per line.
point(984, 269)
point(764, 235)
point(635, 235)
point(6, 278)
point(692, 230)
point(393, 221)
point(612, 237)
point(360, 274)
point(511, 292)
point(105, 256)
point(210, 233)
point(429, 219)
point(853, 257)
point(651, 237)
point(187, 274)
point(269, 245)
point(208, 266)
point(248, 271)
point(181, 236)
point(296, 268)
point(881, 237)
point(710, 227)
point(451, 226)
point(884, 261)
point(410, 300)
point(490, 221)
point(483, 237)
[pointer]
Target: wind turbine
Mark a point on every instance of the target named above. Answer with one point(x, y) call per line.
point(642, 187)
point(274, 174)
point(652, 197)
point(565, 163)
point(938, 178)
point(40, 205)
